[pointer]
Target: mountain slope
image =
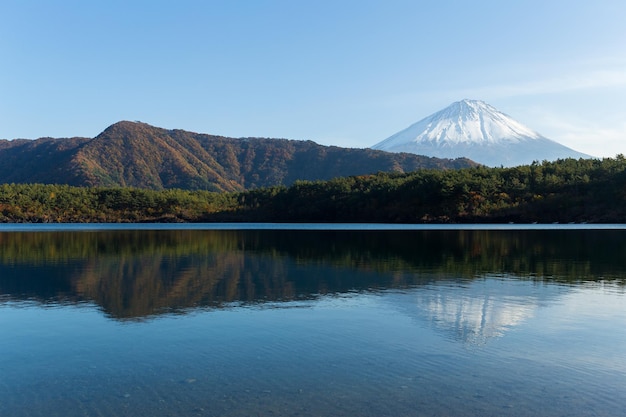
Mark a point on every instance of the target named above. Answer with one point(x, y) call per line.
point(139, 155)
point(40, 161)
point(478, 131)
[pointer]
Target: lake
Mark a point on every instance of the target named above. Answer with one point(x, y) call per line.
point(312, 320)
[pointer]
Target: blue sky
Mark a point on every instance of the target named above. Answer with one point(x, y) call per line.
point(346, 73)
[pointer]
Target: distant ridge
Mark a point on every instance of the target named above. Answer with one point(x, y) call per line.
point(478, 131)
point(134, 154)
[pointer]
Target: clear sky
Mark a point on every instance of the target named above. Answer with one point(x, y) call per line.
point(346, 73)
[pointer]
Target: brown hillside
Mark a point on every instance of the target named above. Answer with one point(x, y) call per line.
point(44, 160)
point(139, 155)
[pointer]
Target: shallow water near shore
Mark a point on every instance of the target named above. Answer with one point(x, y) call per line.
point(120, 321)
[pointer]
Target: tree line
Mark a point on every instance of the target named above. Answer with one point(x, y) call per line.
point(566, 190)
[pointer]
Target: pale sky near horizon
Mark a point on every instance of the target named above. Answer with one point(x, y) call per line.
point(345, 73)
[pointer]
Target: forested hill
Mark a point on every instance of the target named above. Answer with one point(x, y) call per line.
point(134, 154)
point(584, 190)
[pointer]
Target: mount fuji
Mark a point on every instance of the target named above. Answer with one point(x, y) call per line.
point(478, 131)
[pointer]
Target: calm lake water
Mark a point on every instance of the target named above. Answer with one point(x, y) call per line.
point(136, 321)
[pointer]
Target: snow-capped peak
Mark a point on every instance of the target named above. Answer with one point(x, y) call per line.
point(478, 131)
point(465, 121)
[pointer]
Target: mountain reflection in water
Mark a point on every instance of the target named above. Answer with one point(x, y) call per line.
point(138, 274)
point(309, 323)
point(474, 311)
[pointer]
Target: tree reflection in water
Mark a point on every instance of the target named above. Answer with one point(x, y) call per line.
point(136, 274)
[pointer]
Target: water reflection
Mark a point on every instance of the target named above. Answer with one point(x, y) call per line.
point(475, 311)
point(312, 323)
point(136, 274)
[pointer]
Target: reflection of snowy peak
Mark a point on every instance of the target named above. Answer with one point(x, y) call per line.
point(476, 311)
point(476, 130)
point(475, 319)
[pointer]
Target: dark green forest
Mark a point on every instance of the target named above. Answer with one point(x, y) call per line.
point(567, 190)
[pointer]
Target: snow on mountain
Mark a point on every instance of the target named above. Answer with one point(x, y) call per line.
point(478, 131)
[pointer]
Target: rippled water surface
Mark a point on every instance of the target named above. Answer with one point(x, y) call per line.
point(123, 322)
